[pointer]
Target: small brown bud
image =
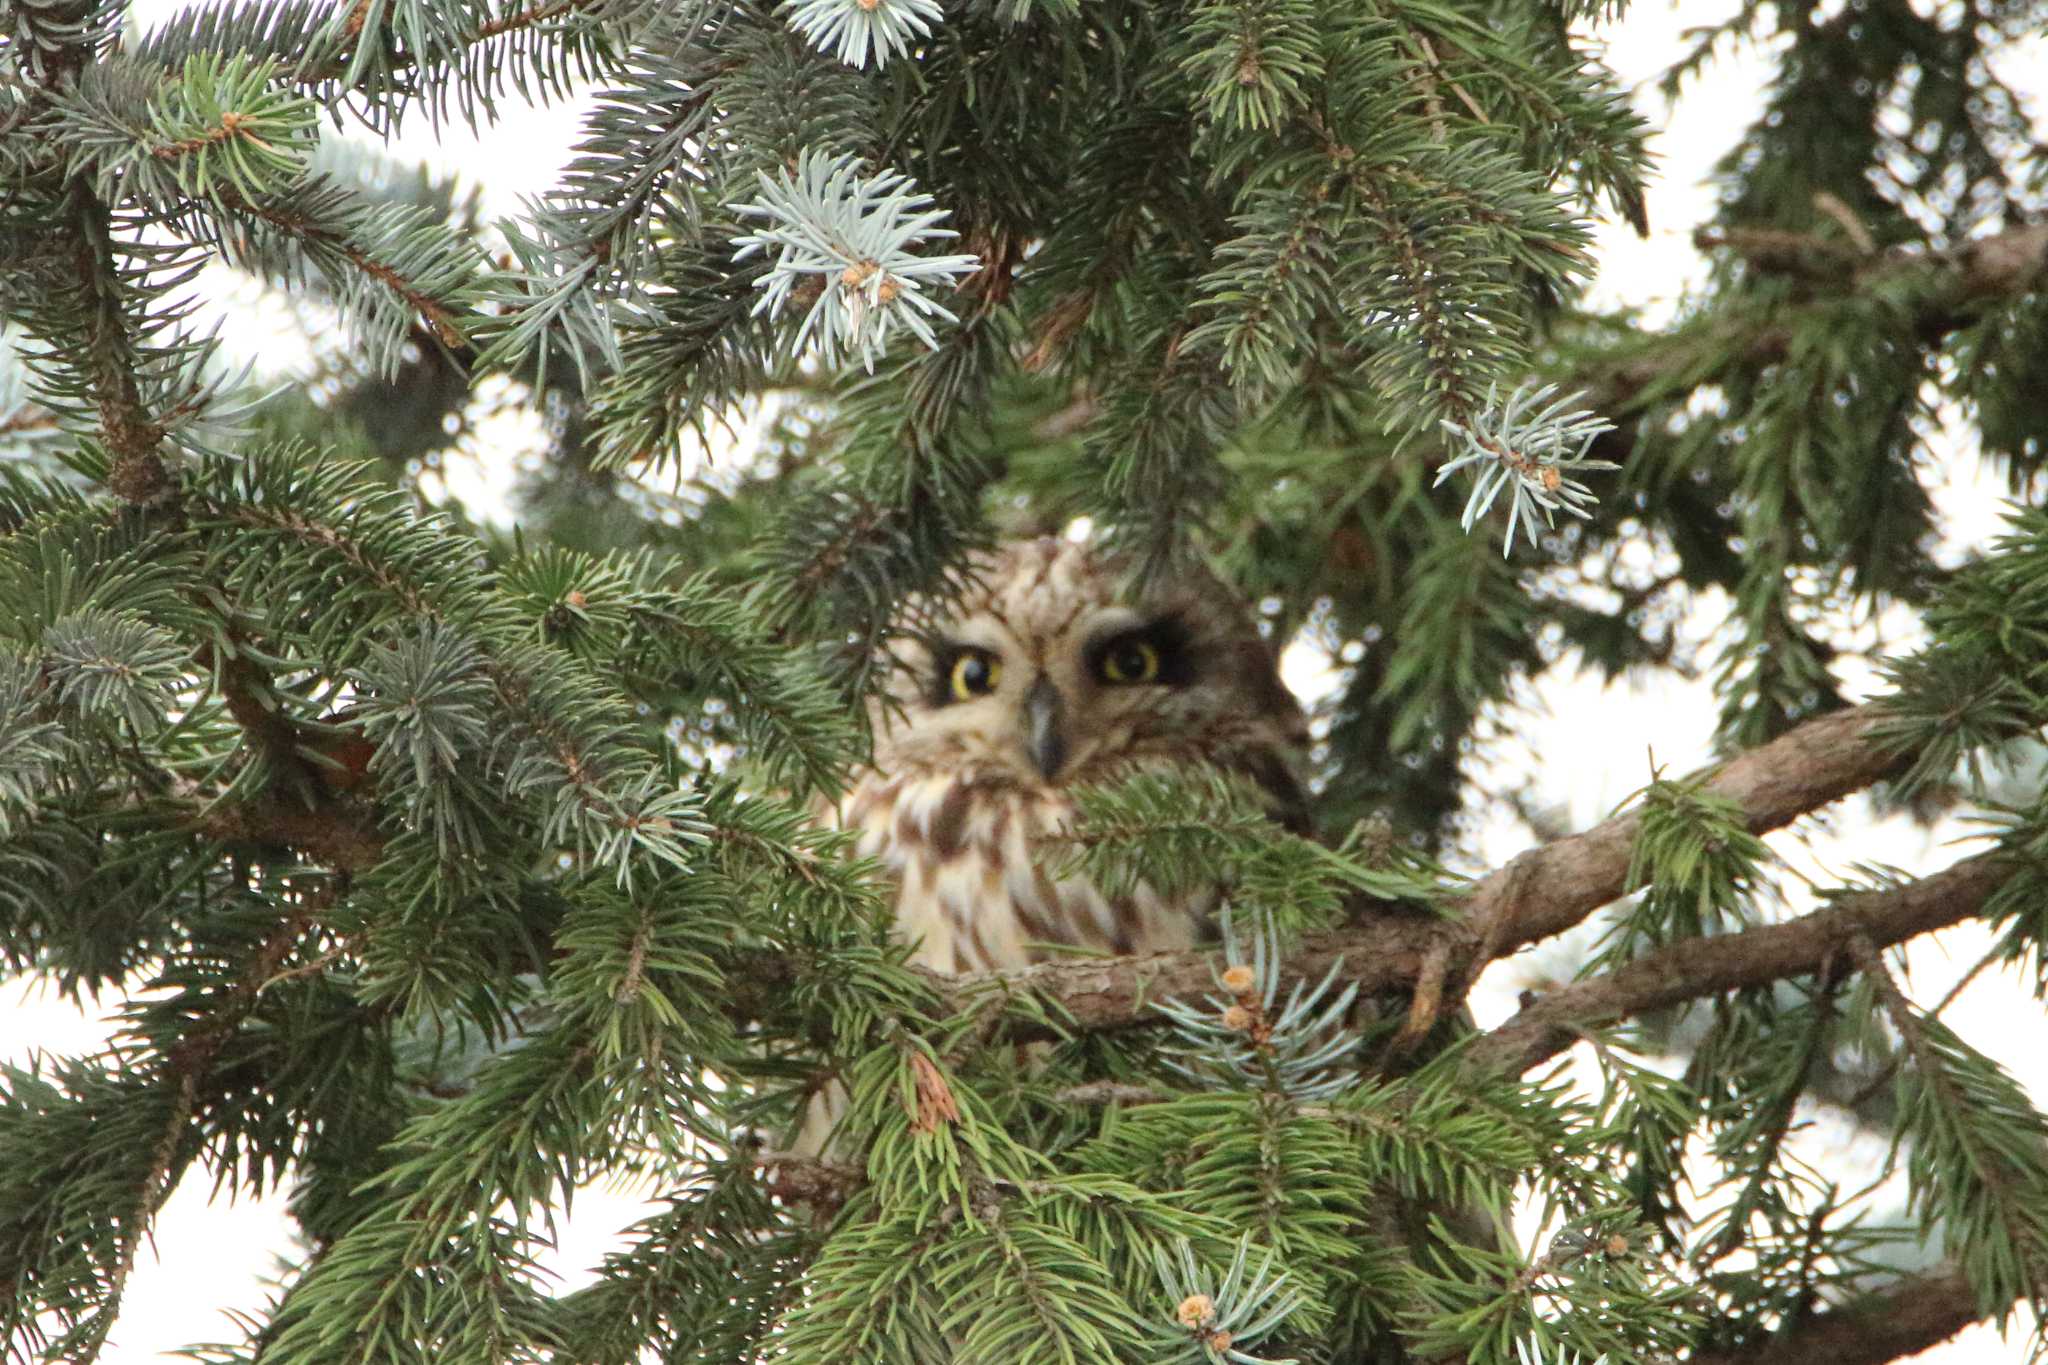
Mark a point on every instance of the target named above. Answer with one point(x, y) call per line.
point(1195, 1310)
point(1239, 980)
point(1218, 1342)
point(1239, 1019)
point(1550, 478)
point(1617, 1245)
point(856, 275)
point(935, 1103)
point(575, 598)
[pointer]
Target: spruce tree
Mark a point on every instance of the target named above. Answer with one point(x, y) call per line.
point(444, 871)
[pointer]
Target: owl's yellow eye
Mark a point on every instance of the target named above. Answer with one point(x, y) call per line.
point(974, 674)
point(1130, 661)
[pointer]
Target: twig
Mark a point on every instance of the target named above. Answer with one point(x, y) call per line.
point(1891, 1068)
point(1108, 1092)
point(188, 1062)
point(1830, 203)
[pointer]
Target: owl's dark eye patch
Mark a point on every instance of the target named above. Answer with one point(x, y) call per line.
point(962, 673)
point(1155, 654)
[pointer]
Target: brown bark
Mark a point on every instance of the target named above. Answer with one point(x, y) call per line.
point(1910, 1316)
point(1548, 889)
point(1706, 966)
point(342, 834)
point(1538, 894)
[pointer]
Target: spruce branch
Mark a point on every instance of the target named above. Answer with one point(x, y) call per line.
point(1996, 267)
point(1247, 1040)
point(850, 236)
point(1098, 1093)
point(1437, 366)
point(585, 239)
point(166, 138)
point(1978, 1150)
point(529, 16)
point(227, 120)
point(112, 361)
point(810, 1180)
point(33, 743)
point(1699, 867)
point(53, 40)
point(1531, 450)
point(1548, 889)
point(1391, 954)
point(1271, 283)
point(185, 1074)
point(339, 834)
point(103, 666)
point(857, 28)
point(251, 698)
point(1158, 441)
point(1256, 60)
point(426, 270)
point(377, 61)
point(1217, 1321)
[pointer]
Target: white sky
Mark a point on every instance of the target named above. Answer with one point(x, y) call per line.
point(1597, 742)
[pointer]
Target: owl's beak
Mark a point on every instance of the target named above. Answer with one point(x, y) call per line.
point(1045, 726)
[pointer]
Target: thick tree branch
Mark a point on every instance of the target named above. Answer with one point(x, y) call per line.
point(1705, 966)
point(1540, 893)
point(1912, 1315)
point(2004, 264)
point(1548, 889)
point(341, 833)
point(810, 1180)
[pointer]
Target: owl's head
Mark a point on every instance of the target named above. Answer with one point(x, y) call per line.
point(1052, 670)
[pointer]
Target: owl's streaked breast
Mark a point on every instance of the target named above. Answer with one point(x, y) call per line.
point(975, 889)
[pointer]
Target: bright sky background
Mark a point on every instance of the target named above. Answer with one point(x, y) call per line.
point(1597, 742)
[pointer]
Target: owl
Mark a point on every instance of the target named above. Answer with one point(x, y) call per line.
point(1048, 674)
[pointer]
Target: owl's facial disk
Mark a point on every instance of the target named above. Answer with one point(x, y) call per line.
point(1054, 673)
point(1017, 699)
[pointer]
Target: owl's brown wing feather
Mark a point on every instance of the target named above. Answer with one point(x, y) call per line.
point(1287, 799)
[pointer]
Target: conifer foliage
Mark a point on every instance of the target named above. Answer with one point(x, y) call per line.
point(440, 872)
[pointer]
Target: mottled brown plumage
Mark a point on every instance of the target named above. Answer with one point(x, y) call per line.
point(1051, 674)
point(1004, 700)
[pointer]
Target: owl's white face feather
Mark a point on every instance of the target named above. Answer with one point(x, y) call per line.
point(1047, 675)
